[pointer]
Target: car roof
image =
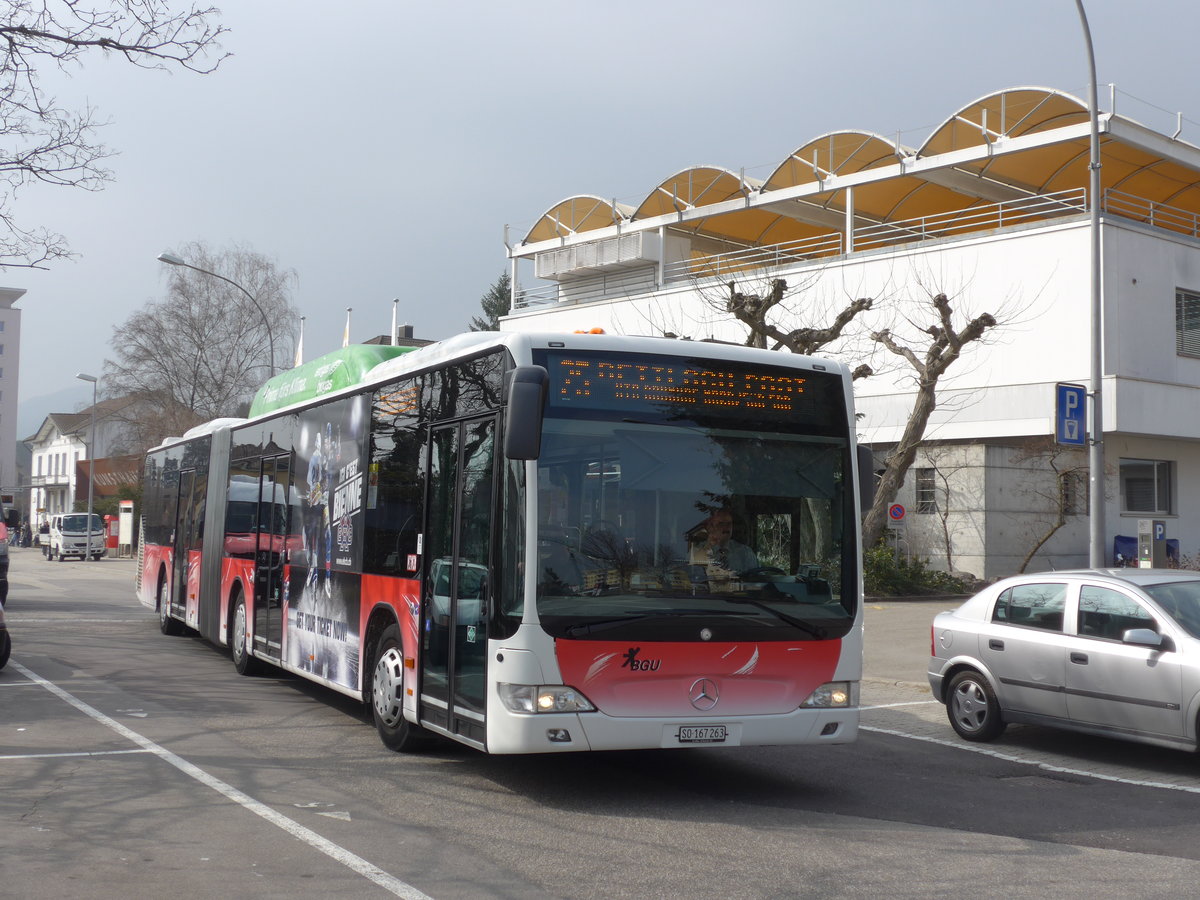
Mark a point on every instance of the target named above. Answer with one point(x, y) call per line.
point(1137, 577)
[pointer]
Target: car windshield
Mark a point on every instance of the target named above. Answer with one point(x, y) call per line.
point(80, 523)
point(673, 532)
point(1180, 600)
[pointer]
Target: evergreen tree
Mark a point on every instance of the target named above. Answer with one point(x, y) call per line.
point(495, 304)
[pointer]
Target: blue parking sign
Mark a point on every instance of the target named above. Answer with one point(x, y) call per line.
point(1070, 414)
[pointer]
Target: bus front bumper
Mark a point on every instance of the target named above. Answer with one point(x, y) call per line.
point(557, 733)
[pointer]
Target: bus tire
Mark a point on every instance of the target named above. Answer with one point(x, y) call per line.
point(5, 648)
point(385, 693)
point(167, 625)
point(239, 648)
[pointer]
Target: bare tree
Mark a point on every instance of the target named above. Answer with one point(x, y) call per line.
point(941, 352)
point(201, 352)
point(48, 144)
point(1069, 468)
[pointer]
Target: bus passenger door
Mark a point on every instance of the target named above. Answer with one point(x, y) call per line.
point(457, 584)
point(270, 556)
point(182, 540)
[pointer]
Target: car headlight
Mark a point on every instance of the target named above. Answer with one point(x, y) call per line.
point(833, 695)
point(545, 698)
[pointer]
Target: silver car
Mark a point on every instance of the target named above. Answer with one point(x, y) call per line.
point(1113, 652)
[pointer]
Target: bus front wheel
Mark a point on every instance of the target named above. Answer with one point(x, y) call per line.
point(167, 625)
point(387, 695)
point(239, 647)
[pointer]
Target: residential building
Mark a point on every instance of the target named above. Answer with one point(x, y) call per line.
point(991, 209)
point(59, 450)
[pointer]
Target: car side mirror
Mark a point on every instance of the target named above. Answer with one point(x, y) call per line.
point(1145, 637)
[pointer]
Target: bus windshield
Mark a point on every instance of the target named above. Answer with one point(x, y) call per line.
point(677, 531)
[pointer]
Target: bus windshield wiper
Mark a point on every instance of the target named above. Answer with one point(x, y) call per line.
point(582, 628)
point(807, 627)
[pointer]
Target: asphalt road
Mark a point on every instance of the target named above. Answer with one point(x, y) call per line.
point(136, 765)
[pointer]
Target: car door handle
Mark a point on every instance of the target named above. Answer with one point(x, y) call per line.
point(1079, 658)
point(994, 644)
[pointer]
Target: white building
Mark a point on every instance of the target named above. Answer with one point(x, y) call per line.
point(10, 364)
point(992, 210)
point(59, 448)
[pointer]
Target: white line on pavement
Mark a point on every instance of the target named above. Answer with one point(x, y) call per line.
point(1008, 757)
point(295, 829)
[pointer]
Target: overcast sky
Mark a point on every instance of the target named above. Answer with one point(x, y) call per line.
point(379, 147)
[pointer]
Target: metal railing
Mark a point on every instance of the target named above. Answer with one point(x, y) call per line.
point(772, 256)
point(958, 223)
point(1159, 215)
point(973, 219)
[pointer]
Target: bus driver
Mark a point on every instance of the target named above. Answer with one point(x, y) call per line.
point(722, 549)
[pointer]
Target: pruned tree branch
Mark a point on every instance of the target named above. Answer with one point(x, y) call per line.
point(44, 143)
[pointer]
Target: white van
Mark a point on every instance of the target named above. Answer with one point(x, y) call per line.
point(69, 536)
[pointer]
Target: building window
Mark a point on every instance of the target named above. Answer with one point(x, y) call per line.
point(1146, 486)
point(1073, 493)
point(926, 490)
point(39, 467)
point(1187, 323)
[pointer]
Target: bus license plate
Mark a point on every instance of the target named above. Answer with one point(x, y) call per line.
point(702, 734)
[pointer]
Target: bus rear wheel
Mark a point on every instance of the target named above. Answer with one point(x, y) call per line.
point(239, 647)
point(386, 696)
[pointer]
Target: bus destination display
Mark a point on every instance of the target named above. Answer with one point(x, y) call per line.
point(673, 384)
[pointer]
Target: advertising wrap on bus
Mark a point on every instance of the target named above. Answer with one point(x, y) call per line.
point(323, 609)
point(535, 543)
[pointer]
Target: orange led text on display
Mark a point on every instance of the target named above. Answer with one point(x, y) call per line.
point(580, 379)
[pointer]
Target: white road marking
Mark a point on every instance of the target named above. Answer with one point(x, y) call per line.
point(1008, 757)
point(80, 753)
point(356, 863)
point(892, 705)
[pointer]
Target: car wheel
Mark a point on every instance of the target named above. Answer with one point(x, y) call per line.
point(239, 647)
point(5, 648)
point(972, 707)
point(385, 693)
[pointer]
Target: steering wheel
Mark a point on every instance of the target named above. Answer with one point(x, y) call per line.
point(749, 574)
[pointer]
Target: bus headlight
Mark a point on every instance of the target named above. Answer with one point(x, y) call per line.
point(834, 695)
point(546, 698)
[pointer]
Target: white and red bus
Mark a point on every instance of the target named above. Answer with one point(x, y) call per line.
point(516, 541)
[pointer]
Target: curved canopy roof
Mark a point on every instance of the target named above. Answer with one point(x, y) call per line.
point(583, 212)
point(1011, 145)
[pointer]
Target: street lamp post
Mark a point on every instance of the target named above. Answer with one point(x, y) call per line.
point(1096, 549)
point(172, 260)
point(91, 462)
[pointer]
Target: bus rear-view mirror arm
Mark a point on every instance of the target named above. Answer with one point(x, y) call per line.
point(866, 478)
point(527, 388)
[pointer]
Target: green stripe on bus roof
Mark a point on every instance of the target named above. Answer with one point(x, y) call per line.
point(329, 373)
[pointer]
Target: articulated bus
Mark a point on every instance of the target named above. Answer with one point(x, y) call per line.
point(533, 542)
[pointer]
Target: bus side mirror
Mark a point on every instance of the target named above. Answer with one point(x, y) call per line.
point(12, 517)
point(866, 478)
point(527, 388)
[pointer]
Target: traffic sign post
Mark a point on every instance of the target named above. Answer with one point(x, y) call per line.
point(1070, 414)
